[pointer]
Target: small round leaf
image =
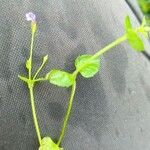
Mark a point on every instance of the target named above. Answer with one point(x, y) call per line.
point(86, 66)
point(60, 78)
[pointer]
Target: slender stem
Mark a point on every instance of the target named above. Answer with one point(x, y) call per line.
point(111, 45)
point(40, 79)
point(31, 53)
point(31, 85)
point(40, 68)
point(67, 114)
point(34, 114)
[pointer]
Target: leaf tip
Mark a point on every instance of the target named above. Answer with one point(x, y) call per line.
point(45, 58)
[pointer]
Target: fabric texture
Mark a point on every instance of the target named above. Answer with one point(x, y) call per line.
point(111, 111)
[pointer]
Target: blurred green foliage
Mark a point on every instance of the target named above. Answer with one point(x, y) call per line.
point(144, 5)
point(145, 8)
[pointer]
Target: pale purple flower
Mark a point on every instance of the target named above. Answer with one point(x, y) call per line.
point(30, 17)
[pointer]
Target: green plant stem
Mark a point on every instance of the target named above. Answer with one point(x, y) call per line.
point(30, 86)
point(111, 45)
point(40, 68)
point(34, 114)
point(31, 53)
point(40, 79)
point(67, 114)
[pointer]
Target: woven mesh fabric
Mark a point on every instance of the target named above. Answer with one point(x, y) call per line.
point(111, 111)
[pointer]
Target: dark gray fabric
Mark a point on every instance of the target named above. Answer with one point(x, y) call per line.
point(111, 111)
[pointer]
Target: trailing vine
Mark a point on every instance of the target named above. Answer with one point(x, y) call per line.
point(87, 65)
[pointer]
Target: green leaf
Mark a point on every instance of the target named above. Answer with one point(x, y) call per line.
point(135, 41)
point(60, 78)
point(88, 68)
point(23, 78)
point(28, 64)
point(127, 23)
point(48, 144)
